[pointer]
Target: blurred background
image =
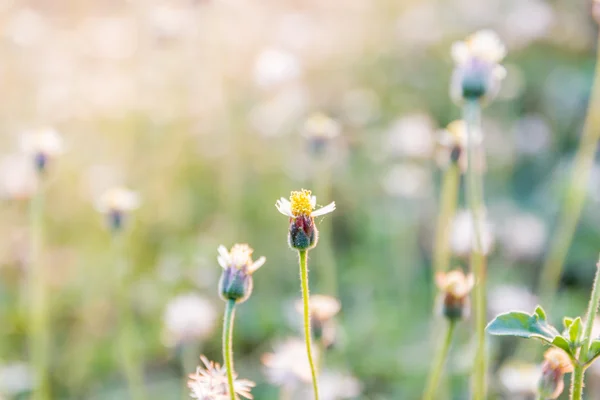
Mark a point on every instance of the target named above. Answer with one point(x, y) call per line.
point(201, 107)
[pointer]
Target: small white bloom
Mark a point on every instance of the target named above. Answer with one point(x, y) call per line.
point(15, 379)
point(274, 67)
point(505, 298)
point(523, 236)
point(520, 378)
point(17, 177)
point(188, 317)
point(240, 257)
point(411, 136)
point(463, 236)
point(44, 142)
point(484, 45)
point(288, 364)
point(118, 199)
point(335, 385)
point(408, 180)
point(302, 203)
point(321, 127)
point(210, 383)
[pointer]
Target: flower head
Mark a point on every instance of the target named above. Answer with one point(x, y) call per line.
point(288, 364)
point(319, 129)
point(43, 145)
point(303, 234)
point(322, 310)
point(455, 287)
point(236, 281)
point(210, 383)
point(116, 203)
point(188, 317)
point(478, 73)
point(556, 364)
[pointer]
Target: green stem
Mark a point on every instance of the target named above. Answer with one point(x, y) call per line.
point(127, 337)
point(574, 197)
point(228, 345)
point(448, 199)
point(472, 117)
point(38, 311)
point(577, 382)
point(307, 330)
point(591, 316)
point(438, 366)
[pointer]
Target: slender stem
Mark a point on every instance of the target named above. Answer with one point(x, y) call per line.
point(127, 337)
point(38, 311)
point(228, 345)
point(438, 366)
point(591, 316)
point(574, 197)
point(448, 199)
point(472, 111)
point(577, 382)
point(307, 330)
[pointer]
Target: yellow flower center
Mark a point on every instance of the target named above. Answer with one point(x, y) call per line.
point(241, 255)
point(301, 202)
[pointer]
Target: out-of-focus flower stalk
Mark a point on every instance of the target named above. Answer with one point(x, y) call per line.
point(228, 344)
point(302, 254)
point(433, 381)
point(579, 368)
point(472, 117)
point(127, 340)
point(574, 196)
point(448, 199)
point(39, 333)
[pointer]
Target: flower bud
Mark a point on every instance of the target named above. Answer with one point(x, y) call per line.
point(320, 129)
point(303, 234)
point(477, 74)
point(455, 287)
point(42, 145)
point(236, 281)
point(116, 203)
point(556, 364)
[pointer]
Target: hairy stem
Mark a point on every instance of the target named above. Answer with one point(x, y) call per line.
point(307, 331)
point(39, 334)
point(448, 199)
point(574, 196)
point(228, 345)
point(577, 382)
point(591, 317)
point(434, 378)
point(127, 338)
point(472, 117)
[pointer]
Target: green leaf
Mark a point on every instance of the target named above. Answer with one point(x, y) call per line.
point(575, 330)
point(521, 324)
point(567, 322)
point(563, 343)
point(594, 350)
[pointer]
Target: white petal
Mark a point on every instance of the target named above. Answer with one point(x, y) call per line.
point(313, 201)
point(284, 207)
point(460, 52)
point(257, 264)
point(325, 210)
point(224, 259)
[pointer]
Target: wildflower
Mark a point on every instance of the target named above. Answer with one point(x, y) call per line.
point(236, 281)
point(556, 364)
point(336, 385)
point(188, 317)
point(18, 179)
point(505, 298)
point(210, 383)
point(288, 365)
point(408, 180)
point(319, 129)
point(411, 136)
point(43, 145)
point(452, 146)
point(116, 203)
point(463, 236)
point(455, 287)
point(274, 67)
point(477, 74)
point(523, 236)
point(303, 233)
point(322, 310)
point(520, 378)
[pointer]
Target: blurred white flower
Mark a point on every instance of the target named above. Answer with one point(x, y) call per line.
point(526, 21)
point(484, 46)
point(117, 200)
point(188, 317)
point(275, 66)
point(505, 298)
point(360, 106)
point(523, 236)
point(319, 126)
point(411, 136)
point(520, 378)
point(532, 134)
point(322, 307)
point(462, 235)
point(288, 364)
point(15, 379)
point(334, 385)
point(210, 383)
point(26, 27)
point(17, 177)
point(408, 180)
point(46, 143)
